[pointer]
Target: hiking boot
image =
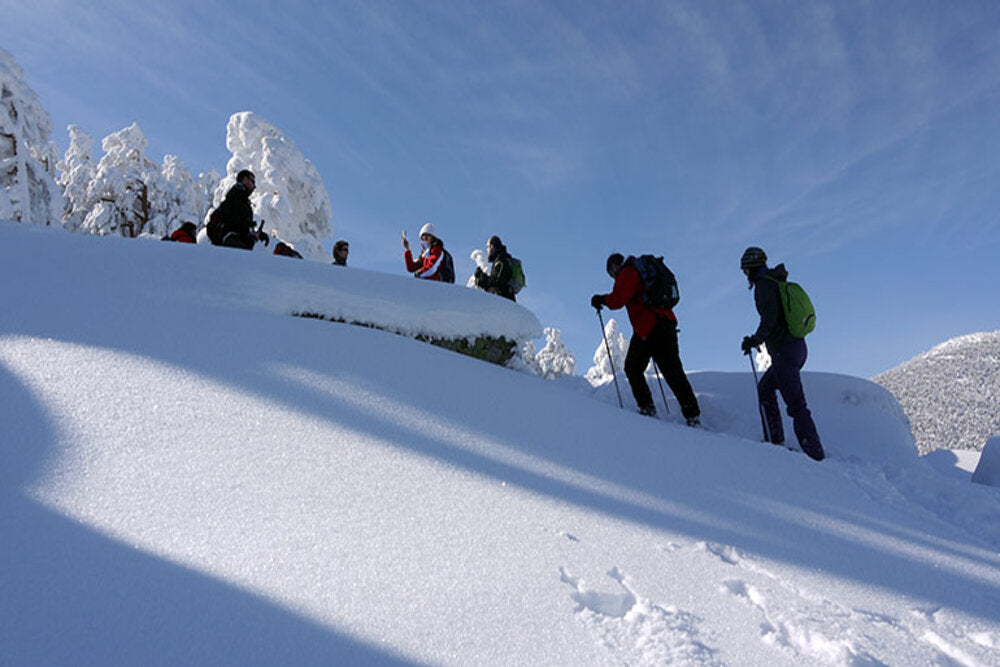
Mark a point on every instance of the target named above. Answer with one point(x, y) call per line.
point(647, 411)
point(694, 422)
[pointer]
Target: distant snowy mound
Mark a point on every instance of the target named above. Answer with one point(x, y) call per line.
point(951, 393)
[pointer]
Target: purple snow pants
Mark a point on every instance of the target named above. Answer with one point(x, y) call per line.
point(783, 376)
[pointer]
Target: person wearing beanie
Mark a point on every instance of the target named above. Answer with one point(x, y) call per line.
point(788, 355)
point(654, 336)
point(428, 263)
point(340, 251)
point(498, 280)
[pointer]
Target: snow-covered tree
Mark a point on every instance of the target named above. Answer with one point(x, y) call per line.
point(555, 359)
point(290, 194)
point(479, 258)
point(178, 199)
point(76, 171)
point(124, 183)
point(28, 190)
point(601, 372)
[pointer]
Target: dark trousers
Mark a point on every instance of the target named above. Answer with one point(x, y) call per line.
point(661, 346)
point(234, 240)
point(783, 376)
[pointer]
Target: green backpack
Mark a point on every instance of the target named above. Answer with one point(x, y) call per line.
point(799, 312)
point(517, 275)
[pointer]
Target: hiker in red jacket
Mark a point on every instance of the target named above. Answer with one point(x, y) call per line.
point(428, 264)
point(654, 335)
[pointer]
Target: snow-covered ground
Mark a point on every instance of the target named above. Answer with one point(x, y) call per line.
point(191, 475)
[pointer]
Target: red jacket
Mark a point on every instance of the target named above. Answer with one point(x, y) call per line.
point(182, 236)
point(628, 292)
point(427, 267)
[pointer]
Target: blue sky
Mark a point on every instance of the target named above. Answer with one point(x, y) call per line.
point(855, 141)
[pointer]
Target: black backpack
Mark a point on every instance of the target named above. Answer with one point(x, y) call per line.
point(658, 282)
point(216, 225)
point(447, 268)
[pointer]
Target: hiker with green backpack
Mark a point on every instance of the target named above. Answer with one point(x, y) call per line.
point(786, 316)
point(506, 277)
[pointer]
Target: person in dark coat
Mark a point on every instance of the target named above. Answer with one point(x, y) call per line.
point(788, 356)
point(238, 229)
point(498, 280)
point(340, 251)
point(654, 335)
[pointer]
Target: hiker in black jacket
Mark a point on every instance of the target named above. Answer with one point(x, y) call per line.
point(498, 280)
point(788, 356)
point(238, 227)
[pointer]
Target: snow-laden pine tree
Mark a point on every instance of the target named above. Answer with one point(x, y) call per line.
point(555, 359)
point(178, 199)
point(124, 183)
point(601, 372)
point(290, 195)
point(76, 171)
point(28, 190)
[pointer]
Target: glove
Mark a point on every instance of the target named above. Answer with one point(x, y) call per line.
point(597, 301)
point(748, 344)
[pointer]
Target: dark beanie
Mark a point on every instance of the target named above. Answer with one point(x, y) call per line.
point(495, 241)
point(615, 258)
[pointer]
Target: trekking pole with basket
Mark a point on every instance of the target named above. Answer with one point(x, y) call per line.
point(611, 360)
point(760, 406)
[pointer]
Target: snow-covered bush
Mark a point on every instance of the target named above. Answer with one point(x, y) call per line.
point(28, 190)
point(555, 359)
point(601, 371)
point(290, 195)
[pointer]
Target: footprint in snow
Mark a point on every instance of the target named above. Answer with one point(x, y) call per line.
point(635, 630)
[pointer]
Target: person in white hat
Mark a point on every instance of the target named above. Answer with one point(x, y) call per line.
point(428, 263)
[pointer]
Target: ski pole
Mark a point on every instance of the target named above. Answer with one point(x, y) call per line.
point(760, 406)
point(656, 370)
point(611, 361)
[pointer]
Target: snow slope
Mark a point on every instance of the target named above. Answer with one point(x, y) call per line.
point(191, 475)
point(951, 393)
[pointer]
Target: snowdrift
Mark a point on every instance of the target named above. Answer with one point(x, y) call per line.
point(220, 279)
point(857, 419)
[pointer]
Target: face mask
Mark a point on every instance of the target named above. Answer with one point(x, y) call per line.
point(424, 245)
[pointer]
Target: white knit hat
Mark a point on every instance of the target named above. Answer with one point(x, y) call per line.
point(428, 229)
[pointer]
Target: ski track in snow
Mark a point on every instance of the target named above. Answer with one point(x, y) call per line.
point(635, 630)
point(814, 629)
